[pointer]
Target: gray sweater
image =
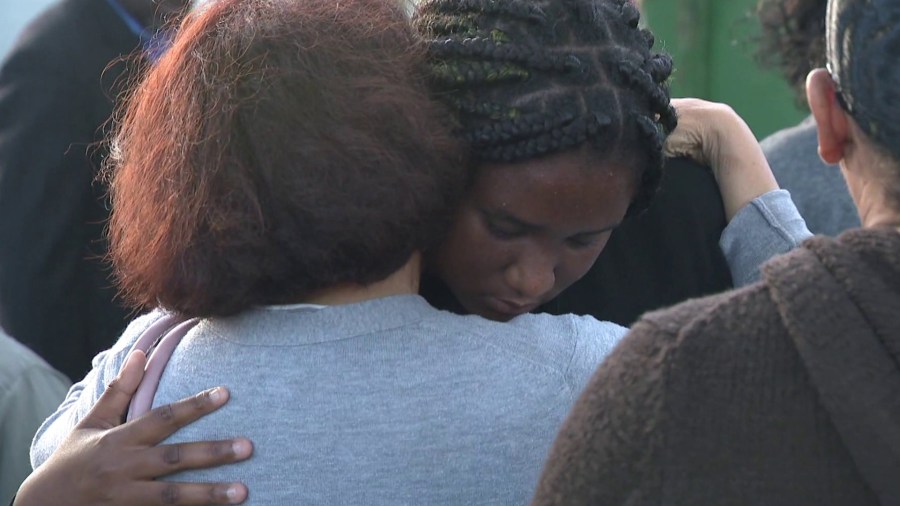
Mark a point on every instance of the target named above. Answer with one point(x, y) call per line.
point(389, 401)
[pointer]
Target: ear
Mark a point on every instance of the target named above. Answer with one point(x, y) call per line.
point(831, 119)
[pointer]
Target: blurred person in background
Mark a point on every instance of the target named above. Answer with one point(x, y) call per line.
point(793, 41)
point(30, 390)
point(57, 90)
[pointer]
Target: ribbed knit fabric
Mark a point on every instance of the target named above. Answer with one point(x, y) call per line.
point(782, 393)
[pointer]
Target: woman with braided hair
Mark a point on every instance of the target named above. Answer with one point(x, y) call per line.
point(565, 107)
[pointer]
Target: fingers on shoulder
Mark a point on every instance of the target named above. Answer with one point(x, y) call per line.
point(189, 494)
point(164, 421)
point(176, 457)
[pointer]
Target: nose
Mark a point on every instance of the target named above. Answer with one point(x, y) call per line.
point(532, 276)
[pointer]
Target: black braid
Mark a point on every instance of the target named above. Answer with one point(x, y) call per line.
point(658, 97)
point(459, 73)
point(519, 9)
point(487, 110)
point(532, 77)
point(562, 136)
point(655, 137)
point(490, 49)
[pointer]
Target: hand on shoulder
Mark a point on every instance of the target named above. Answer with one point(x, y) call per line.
point(714, 135)
point(106, 462)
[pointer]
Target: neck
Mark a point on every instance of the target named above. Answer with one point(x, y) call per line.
point(404, 281)
point(875, 206)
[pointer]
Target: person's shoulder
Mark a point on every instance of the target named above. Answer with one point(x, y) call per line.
point(683, 176)
point(714, 321)
point(791, 145)
point(785, 136)
point(563, 324)
point(577, 341)
point(141, 324)
point(549, 339)
point(17, 361)
point(110, 361)
point(565, 331)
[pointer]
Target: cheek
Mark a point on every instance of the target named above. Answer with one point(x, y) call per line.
point(470, 256)
point(576, 264)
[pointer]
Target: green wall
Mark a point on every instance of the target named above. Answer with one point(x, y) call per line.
point(713, 44)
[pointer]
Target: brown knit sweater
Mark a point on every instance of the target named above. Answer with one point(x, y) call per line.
point(786, 392)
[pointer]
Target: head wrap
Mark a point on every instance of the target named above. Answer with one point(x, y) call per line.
point(863, 44)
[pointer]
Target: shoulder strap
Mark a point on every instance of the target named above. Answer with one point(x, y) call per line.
point(158, 342)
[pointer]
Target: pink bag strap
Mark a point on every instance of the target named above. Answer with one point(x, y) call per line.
point(158, 341)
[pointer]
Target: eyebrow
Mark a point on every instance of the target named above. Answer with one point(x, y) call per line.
point(531, 227)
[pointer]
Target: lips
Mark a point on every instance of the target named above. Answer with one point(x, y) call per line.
point(510, 308)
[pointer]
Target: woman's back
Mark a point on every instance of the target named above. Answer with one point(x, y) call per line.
point(778, 393)
point(386, 402)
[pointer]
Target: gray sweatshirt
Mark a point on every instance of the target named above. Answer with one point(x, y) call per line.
point(390, 401)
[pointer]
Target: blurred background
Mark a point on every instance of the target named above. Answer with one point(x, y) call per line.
point(14, 14)
point(712, 41)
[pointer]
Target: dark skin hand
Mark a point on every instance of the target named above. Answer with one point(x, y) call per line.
point(106, 462)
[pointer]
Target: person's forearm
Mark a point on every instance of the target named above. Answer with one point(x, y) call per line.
point(742, 170)
point(767, 226)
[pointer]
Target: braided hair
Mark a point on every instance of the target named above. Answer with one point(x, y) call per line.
point(527, 78)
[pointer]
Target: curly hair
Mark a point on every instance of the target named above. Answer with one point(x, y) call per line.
point(527, 78)
point(792, 39)
point(278, 148)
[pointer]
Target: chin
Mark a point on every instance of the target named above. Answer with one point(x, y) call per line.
point(491, 314)
point(499, 317)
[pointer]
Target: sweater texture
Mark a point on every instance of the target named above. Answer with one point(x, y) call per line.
point(786, 392)
point(389, 401)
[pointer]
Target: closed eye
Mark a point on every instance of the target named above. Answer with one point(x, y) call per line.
point(504, 226)
point(585, 240)
point(504, 231)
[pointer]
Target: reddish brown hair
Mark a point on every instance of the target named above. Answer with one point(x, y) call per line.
point(278, 148)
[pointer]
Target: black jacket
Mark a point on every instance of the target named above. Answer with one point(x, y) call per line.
point(56, 97)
